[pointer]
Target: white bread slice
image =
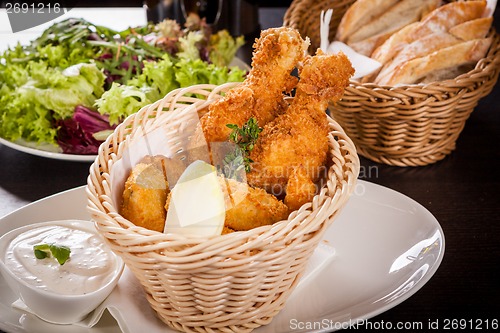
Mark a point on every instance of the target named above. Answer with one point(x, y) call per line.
point(446, 58)
point(359, 14)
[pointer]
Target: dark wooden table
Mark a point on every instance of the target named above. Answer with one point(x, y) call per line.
point(461, 191)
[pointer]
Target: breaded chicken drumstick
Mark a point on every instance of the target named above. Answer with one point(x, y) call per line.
point(276, 53)
point(295, 144)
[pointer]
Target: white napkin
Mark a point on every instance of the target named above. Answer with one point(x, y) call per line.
point(491, 5)
point(129, 306)
point(362, 64)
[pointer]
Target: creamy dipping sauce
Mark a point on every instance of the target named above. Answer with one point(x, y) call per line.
point(91, 264)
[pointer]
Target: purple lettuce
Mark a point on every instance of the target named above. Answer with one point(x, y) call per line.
point(76, 135)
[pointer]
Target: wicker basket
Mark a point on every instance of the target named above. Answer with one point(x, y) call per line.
point(231, 283)
point(411, 125)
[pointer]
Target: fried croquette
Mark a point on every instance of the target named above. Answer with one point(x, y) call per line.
point(252, 207)
point(226, 230)
point(144, 196)
point(246, 207)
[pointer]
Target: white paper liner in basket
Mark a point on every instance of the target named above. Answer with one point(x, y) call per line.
point(236, 282)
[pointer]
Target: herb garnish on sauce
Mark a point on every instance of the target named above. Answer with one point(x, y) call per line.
point(60, 252)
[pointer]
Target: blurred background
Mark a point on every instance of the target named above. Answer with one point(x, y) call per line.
point(239, 17)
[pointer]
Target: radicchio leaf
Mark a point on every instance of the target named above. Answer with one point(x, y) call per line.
point(75, 135)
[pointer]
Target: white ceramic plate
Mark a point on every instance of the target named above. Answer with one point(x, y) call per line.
point(47, 151)
point(387, 247)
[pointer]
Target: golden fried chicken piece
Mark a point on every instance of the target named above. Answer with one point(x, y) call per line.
point(300, 188)
point(299, 137)
point(246, 207)
point(145, 195)
point(227, 230)
point(276, 53)
point(251, 207)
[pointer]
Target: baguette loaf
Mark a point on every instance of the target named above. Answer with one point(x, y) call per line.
point(472, 29)
point(417, 49)
point(447, 39)
point(368, 23)
point(391, 20)
point(394, 44)
point(447, 16)
point(359, 14)
point(415, 70)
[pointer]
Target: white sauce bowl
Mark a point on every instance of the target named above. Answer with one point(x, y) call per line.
point(49, 305)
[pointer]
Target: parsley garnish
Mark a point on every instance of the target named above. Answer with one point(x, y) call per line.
point(245, 139)
point(60, 252)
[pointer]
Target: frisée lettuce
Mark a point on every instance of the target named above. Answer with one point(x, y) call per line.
point(46, 95)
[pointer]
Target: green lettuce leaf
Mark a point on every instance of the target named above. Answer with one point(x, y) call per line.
point(122, 100)
point(187, 45)
point(199, 72)
point(159, 75)
point(158, 79)
point(61, 91)
point(21, 116)
point(39, 94)
point(223, 47)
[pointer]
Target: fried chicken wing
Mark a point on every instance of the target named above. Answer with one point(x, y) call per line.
point(299, 137)
point(276, 53)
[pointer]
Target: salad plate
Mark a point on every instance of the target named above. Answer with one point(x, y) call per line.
point(53, 152)
point(47, 151)
point(387, 246)
point(88, 69)
point(116, 18)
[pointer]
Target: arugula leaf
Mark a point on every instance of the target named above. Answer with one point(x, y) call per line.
point(60, 252)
